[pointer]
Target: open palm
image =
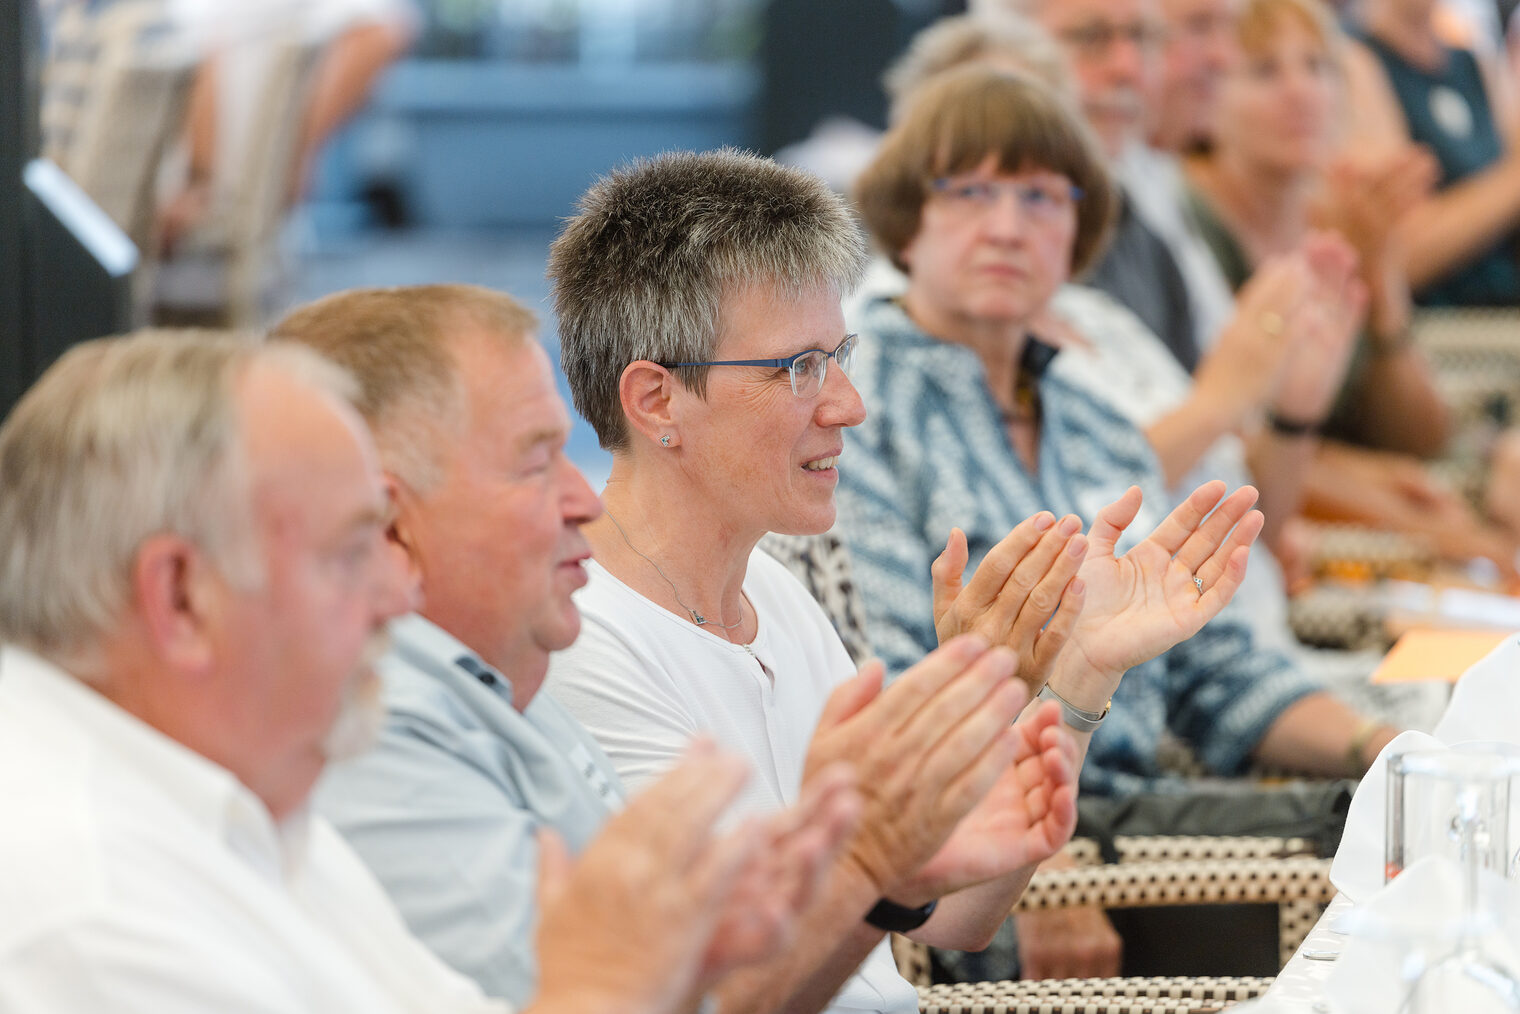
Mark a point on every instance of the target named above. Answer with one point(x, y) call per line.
point(1144, 602)
point(1027, 816)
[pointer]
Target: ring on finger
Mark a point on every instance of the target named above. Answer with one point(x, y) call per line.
point(1198, 583)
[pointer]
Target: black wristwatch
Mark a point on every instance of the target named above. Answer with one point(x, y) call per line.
point(1285, 427)
point(894, 918)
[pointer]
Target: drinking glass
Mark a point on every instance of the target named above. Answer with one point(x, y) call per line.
point(1455, 804)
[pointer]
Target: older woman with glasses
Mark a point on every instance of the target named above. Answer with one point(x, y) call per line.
point(989, 195)
point(698, 299)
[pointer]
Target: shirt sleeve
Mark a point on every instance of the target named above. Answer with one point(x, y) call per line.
point(474, 902)
point(1225, 692)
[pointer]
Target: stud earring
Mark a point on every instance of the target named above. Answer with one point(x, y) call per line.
point(665, 440)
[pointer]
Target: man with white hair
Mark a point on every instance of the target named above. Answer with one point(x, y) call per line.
point(193, 580)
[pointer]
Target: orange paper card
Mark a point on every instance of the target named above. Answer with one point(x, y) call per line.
point(1427, 654)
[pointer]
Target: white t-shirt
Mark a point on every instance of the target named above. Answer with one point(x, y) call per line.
point(645, 682)
point(138, 877)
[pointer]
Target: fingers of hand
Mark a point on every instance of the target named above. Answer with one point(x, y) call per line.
point(1332, 261)
point(1111, 523)
point(1032, 536)
point(1214, 531)
point(1241, 537)
point(963, 700)
point(1032, 593)
point(1182, 523)
point(830, 804)
point(947, 570)
point(966, 771)
point(1061, 818)
point(735, 859)
point(901, 702)
point(1224, 589)
point(851, 696)
point(1049, 641)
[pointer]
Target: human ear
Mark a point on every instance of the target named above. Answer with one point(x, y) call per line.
point(176, 590)
point(401, 531)
point(647, 393)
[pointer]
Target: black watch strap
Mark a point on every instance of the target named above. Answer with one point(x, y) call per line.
point(1285, 427)
point(894, 918)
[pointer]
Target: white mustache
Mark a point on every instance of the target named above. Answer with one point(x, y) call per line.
point(361, 714)
point(1125, 101)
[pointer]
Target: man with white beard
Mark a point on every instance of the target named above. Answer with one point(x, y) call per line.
point(193, 580)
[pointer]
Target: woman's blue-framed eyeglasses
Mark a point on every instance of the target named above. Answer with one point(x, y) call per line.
point(808, 369)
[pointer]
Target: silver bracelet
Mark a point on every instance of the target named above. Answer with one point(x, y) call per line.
point(1078, 719)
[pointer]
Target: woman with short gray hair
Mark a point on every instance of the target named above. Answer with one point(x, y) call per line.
point(699, 306)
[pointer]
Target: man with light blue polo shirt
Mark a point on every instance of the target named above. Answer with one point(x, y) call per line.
point(453, 757)
point(469, 750)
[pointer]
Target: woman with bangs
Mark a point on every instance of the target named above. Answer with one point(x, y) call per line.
point(1270, 178)
point(989, 195)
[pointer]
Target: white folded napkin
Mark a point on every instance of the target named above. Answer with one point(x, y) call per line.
point(1484, 710)
point(1413, 922)
point(1486, 702)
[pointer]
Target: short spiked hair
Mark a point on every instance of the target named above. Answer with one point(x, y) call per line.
point(642, 270)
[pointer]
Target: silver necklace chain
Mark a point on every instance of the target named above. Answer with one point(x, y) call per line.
point(696, 617)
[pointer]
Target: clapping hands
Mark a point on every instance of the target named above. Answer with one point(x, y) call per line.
point(1159, 593)
point(1025, 593)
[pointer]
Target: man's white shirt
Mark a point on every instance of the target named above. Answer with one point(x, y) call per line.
point(138, 876)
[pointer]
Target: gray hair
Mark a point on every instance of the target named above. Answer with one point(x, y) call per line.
point(121, 439)
point(990, 33)
point(641, 271)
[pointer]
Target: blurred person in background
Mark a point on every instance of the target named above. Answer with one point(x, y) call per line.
point(351, 42)
point(1269, 178)
point(1266, 356)
point(196, 581)
point(252, 90)
point(1406, 83)
point(276, 81)
point(1201, 426)
point(990, 195)
point(1200, 47)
